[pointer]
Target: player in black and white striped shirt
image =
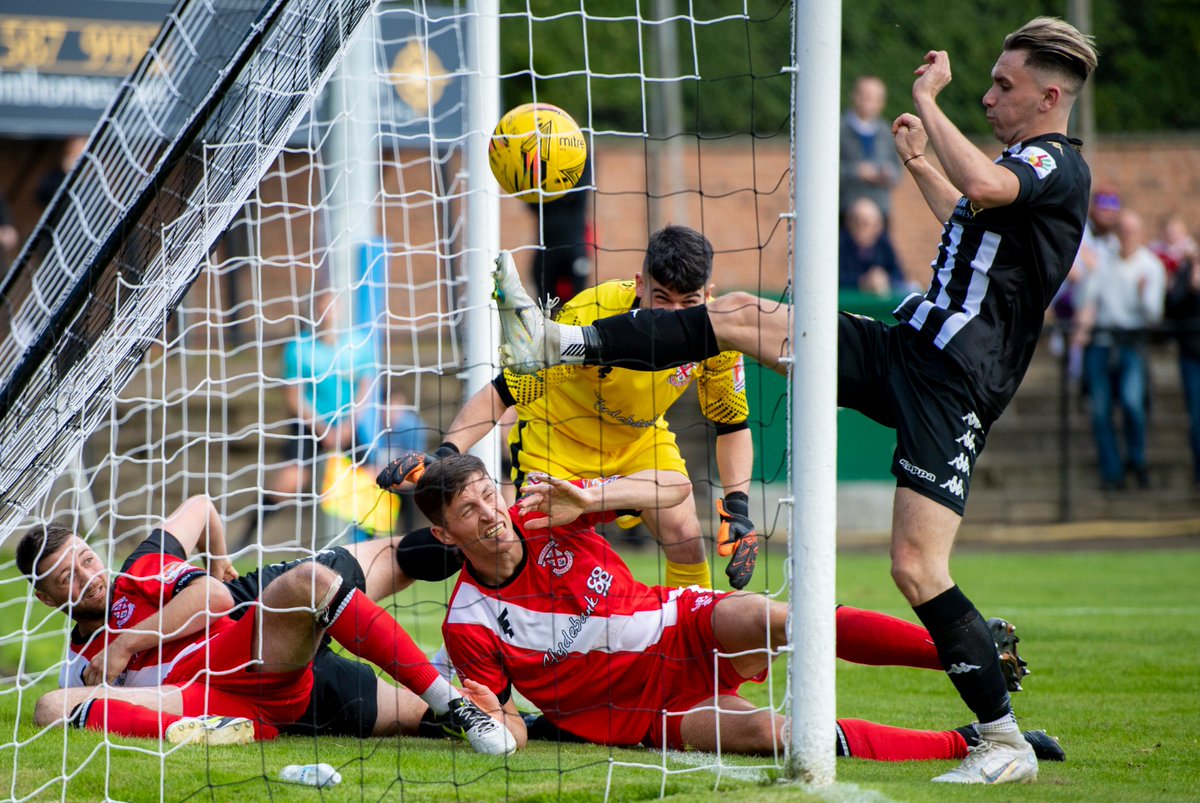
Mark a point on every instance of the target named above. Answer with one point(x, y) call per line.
point(944, 374)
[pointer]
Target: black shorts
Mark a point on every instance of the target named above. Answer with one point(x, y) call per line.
point(248, 587)
point(891, 376)
point(344, 698)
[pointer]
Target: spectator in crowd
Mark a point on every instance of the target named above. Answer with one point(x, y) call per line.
point(563, 266)
point(1122, 298)
point(1183, 310)
point(72, 149)
point(869, 165)
point(1099, 241)
point(330, 373)
point(9, 238)
point(866, 259)
point(1177, 245)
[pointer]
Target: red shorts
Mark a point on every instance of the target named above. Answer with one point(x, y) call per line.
point(697, 674)
point(218, 678)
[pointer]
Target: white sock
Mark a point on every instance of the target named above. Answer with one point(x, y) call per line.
point(566, 342)
point(1004, 730)
point(438, 696)
point(442, 663)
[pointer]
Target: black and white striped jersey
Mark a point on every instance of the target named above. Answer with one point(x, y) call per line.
point(998, 269)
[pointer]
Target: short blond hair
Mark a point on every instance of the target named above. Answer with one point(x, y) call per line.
point(1055, 46)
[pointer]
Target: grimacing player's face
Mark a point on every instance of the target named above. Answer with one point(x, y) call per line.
point(1013, 102)
point(476, 519)
point(655, 296)
point(75, 577)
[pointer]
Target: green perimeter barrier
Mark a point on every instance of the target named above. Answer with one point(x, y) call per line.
point(864, 447)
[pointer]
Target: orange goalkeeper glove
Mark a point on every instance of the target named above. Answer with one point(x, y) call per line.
point(737, 537)
point(405, 470)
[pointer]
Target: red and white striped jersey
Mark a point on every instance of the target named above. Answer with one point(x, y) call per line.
point(150, 578)
point(573, 631)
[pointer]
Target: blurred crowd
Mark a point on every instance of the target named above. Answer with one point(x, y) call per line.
point(1126, 290)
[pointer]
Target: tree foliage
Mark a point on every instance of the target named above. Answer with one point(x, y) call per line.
point(593, 63)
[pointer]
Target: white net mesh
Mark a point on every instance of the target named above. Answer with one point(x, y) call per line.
point(326, 331)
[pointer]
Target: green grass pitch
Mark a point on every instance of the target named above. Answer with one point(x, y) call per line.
point(1113, 639)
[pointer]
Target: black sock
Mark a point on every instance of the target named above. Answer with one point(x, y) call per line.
point(968, 652)
point(430, 726)
point(423, 557)
point(651, 340)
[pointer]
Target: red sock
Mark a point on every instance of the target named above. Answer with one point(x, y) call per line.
point(126, 719)
point(371, 633)
point(884, 743)
point(867, 637)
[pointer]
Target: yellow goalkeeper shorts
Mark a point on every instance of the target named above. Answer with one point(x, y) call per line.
point(536, 446)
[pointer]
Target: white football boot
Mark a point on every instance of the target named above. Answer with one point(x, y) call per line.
point(522, 324)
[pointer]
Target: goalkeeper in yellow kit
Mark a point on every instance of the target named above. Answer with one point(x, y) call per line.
point(577, 422)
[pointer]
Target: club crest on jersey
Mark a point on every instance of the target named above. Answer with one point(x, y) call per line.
point(559, 561)
point(122, 611)
point(739, 375)
point(1042, 163)
point(682, 375)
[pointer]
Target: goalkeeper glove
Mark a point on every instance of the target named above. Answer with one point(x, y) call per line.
point(408, 468)
point(737, 538)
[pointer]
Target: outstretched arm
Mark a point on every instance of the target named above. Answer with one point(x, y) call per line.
point(735, 460)
point(982, 181)
point(476, 419)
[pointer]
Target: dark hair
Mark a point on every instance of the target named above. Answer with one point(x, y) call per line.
point(444, 480)
point(40, 541)
point(1056, 46)
point(679, 259)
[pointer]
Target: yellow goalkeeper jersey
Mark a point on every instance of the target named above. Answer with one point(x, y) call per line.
point(611, 409)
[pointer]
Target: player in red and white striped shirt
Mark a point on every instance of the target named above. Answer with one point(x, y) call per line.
point(162, 620)
point(547, 607)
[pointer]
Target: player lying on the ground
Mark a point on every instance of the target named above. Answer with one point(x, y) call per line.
point(165, 621)
point(940, 378)
point(547, 607)
point(582, 423)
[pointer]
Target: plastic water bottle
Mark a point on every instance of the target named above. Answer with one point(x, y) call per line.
point(311, 774)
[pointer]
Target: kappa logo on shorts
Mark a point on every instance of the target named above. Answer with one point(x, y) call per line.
point(967, 439)
point(955, 486)
point(558, 561)
point(702, 601)
point(972, 421)
point(917, 471)
point(962, 464)
point(122, 611)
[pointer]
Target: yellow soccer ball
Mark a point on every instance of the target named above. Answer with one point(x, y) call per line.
point(537, 152)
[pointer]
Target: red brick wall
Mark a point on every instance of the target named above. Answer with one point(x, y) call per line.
point(735, 190)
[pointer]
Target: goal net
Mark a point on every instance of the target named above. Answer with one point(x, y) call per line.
point(261, 286)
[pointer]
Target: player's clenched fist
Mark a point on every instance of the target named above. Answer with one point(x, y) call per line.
point(737, 537)
point(403, 472)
